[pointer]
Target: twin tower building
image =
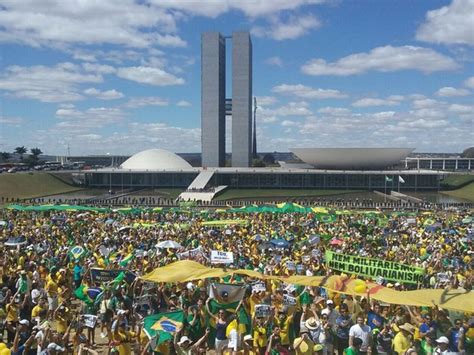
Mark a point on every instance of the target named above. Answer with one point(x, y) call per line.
point(215, 106)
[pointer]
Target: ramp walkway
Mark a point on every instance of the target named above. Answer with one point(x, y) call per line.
point(200, 182)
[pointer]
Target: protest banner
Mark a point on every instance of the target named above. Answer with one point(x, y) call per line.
point(259, 287)
point(89, 320)
point(290, 265)
point(222, 257)
point(289, 300)
point(191, 254)
point(262, 310)
point(102, 275)
point(305, 258)
point(369, 267)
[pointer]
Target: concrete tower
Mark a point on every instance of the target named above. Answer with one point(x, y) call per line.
point(241, 99)
point(213, 99)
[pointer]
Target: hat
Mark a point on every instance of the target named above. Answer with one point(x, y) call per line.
point(54, 346)
point(183, 340)
point(408, 327)
point(25, 322)
point(318, 347)
point(248, 337)
point(442, 340)
point(329, 302)
point(311, 323)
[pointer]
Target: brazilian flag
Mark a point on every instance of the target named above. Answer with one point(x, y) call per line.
point(325, 217)
point(77, 252)
point(166, 325)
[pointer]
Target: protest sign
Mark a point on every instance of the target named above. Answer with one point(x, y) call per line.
point(290, 265)
point(299, 269)
point(389, 270)
point(222, 257)
point(262, 310)
point(89, 320)
point(102, 275)
point(289, 300)
point(258, 287)
point(314, 239)
point(411, 221)
point(315, 253)
point(305, 258)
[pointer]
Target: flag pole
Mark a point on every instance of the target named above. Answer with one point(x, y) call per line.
point(385, 189)
point(398, 183)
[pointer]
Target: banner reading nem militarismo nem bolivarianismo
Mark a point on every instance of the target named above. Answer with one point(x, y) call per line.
point(373, 268)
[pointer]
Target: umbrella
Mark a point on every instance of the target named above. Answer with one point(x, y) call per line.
point(168, 244)
point(125, 228)
point(467, 220)
point(3, 223)
point(265, 246)
point(314, 239)
point(257, 237)
point(15, 241)
point(335, 241)
point(280, 243)
point(109, 221)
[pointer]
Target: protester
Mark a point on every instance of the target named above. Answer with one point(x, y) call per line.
point(75, 286)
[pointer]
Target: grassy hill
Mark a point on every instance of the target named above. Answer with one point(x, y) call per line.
point(455, 181)
point(29, 185)
point(232, 194)
point(466, 192)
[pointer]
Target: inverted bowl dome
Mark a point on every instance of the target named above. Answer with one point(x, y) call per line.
point(155, 159)
point(351, 158)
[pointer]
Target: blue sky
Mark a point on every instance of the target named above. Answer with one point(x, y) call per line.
point(121, 76)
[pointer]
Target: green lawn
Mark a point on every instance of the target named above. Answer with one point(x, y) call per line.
point(29, 185)
point(162, 192)
point(453, 181)
point(465, 192)
point(232, 194)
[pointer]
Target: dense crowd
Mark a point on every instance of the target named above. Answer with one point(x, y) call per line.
point(53, 303)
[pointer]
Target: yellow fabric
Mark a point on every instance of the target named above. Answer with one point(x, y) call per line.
point(306, 347)
point(401, 343)
point(457, 300)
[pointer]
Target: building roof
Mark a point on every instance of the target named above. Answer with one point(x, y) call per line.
point(351, 158)
point(155, 159)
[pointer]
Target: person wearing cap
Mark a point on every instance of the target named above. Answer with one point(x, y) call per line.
point(403, 339)
point(442, 346)
point(185, 345)
point(247, 344)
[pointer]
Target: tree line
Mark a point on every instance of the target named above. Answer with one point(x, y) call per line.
point(31, 159)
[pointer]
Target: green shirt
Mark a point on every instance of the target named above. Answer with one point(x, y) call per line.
point(350, 351)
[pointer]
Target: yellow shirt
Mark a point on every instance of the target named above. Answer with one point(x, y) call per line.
point(124, 339)
point(284, 330)
point(52, 288)
point(401, 343)
point(12, 312)
point(61, 324)
point(259, 336)
point(36, 311)
point(306, 347)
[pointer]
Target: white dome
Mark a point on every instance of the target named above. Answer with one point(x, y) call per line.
point(155, 159)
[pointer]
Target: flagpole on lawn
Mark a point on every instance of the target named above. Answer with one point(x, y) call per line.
point(385, 190)
point(398, 183)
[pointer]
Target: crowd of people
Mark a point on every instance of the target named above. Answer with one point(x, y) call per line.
point(53, 301)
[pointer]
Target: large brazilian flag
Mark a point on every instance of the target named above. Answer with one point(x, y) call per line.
point(163, 325)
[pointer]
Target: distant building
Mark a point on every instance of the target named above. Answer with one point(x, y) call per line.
point(215, 106)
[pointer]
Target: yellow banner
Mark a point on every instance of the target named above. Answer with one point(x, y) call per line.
point(458, 300)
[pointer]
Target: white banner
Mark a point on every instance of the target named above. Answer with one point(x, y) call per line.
point(89, 320)
point(262, 310)
point(259, 287)
point(222, 257)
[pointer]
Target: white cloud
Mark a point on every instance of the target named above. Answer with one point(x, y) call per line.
point(98, 68)
point(146, 101)
point(469, 82)
point(47, 84)
point(383, 59)
point(373, 101)
point(266, 100)
point(334, 111)
point(11, 121)
point(288, 123)
point(293, 109)
point(104, 95)
point(251, 8)
point(294, 27)
point(149, 75)
point(449, 91)
point(183, 103)
point(92, 118)
point(126, 22)
point(276, 61)
point(452, 24)
point(307, 92)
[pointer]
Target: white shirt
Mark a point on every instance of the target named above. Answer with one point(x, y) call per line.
point(234, 340)
point(363, 333)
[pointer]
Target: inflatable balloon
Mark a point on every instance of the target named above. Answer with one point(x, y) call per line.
point(360, 286)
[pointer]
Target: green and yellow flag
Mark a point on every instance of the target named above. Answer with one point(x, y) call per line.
point(163, 325)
